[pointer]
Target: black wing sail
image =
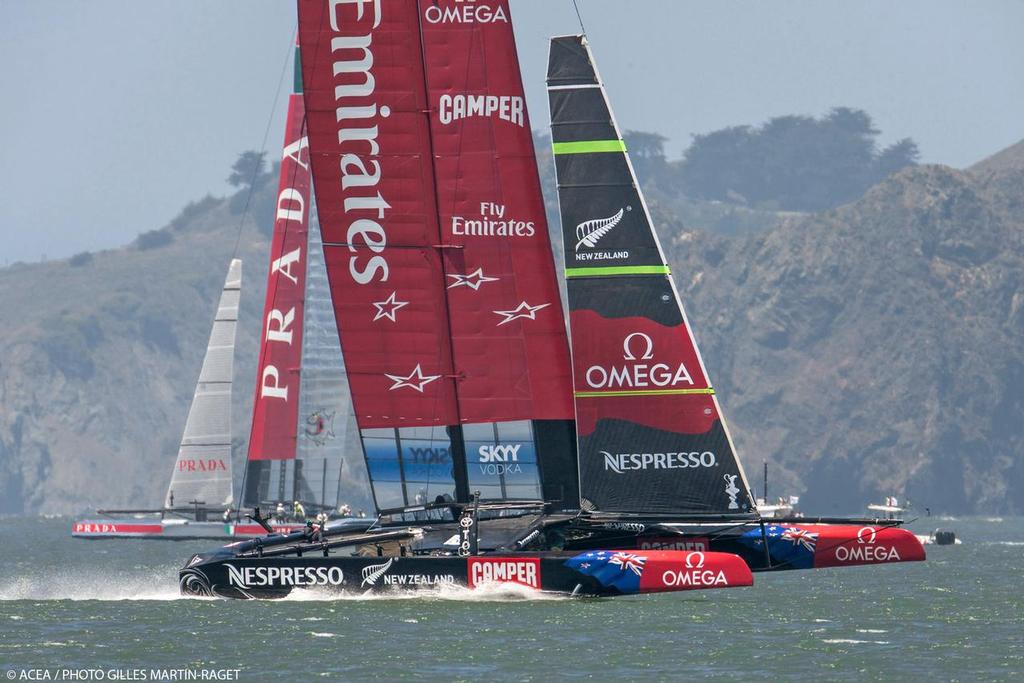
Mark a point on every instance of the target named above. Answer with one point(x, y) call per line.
point(651, 435)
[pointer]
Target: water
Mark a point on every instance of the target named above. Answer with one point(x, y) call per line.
point(115, 605)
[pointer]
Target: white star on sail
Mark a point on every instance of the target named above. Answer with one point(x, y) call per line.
point(414, 380)
point(523, 310)
point(474, 279)
point(388, 307)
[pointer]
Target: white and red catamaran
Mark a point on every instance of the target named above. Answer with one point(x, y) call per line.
point(491, 457)
point(199, 502)
point(299, 432)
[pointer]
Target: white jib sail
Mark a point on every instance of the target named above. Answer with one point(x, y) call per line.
point(202, 471)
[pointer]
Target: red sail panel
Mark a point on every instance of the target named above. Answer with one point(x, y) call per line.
point(639, 370)
point(367, 116)
point(275, 411)
point(509, 342)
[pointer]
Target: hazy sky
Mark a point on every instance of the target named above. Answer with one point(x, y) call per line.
point(116, 113)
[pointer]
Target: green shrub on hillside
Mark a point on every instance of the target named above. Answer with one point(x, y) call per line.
point(154, 239)
point(194, 210)
point(80, 259)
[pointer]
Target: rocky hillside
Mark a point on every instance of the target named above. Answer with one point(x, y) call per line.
point(878, 347)
point(870, 350)
point(1004, 160)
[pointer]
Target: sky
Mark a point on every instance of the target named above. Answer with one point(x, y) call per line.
point(117, 113)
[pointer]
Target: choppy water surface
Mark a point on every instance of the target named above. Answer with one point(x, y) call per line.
point(115, 605)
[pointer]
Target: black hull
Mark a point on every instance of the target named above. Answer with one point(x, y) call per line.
point(266, 578)
point(599, 574)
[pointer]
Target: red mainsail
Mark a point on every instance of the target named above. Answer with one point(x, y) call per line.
point(275, 411)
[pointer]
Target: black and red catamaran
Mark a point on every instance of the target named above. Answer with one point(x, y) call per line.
point(491, 457)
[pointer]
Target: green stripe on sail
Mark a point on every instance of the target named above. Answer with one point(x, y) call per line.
point(617, 270)
point(588, 146)
point(644, 392)
point(297, 76)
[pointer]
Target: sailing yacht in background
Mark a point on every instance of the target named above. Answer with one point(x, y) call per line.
point(891, 508)
point(296, 466)
point(199, 498)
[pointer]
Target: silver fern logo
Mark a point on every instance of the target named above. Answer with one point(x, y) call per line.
point(373, 572)
point(589, 232)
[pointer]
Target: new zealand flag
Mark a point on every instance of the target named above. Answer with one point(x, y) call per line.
point(787, 545)
point(617, 569)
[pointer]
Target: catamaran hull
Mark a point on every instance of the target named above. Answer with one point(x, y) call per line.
point(176, 530)
point(775, 546)
point(593, 573)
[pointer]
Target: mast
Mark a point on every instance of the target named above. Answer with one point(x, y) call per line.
point(455, 433)
point(202, 470)
point(651, 435)
point(765, 489)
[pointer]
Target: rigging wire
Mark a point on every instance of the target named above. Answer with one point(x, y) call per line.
point(579, 17)
point(263, 145)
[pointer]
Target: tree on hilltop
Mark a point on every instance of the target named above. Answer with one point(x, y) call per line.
point(247, 169)
point(793, 162)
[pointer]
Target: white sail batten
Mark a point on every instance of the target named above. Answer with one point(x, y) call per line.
point(202, 471)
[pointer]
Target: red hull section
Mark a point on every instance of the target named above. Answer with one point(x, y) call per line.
point(652, 571)
point(172, 529)
point(672, 570)
point(842, 546)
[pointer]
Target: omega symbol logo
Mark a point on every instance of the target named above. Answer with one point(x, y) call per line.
point(647, 344)
point(866, 535)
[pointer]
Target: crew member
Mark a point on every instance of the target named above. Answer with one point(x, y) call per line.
point(298, 511)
